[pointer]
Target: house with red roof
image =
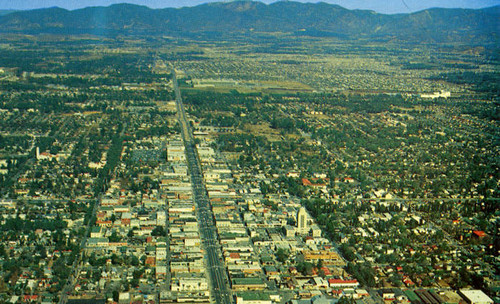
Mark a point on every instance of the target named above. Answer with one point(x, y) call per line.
point(315, 182)
point(342, 283)
point(478, 233)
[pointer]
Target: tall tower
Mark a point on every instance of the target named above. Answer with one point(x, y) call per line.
point(302, 226)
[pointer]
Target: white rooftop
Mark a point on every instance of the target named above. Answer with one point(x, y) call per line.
point(476, 296)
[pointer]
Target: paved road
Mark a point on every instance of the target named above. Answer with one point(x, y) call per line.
point(219, 283)
point(70, 284)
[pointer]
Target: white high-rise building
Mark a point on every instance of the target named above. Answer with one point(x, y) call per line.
point(302, 225)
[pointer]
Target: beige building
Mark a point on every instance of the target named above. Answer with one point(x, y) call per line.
point(302, 218)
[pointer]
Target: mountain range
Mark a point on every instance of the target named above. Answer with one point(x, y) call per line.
point(251, 17)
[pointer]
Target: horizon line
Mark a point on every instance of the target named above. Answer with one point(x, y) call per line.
point(195, 3)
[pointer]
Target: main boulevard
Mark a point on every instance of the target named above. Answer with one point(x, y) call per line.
point(213, 259)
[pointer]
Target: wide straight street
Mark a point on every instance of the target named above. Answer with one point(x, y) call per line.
point(213, 259)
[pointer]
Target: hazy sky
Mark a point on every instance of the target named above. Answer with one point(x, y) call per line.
point(382, 6)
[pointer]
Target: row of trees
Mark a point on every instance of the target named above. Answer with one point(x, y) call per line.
point(19, 225)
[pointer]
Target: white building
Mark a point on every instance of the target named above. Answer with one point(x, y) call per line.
point(190, 284)
point(302, 225)
point(444, 94)
point(475, 296)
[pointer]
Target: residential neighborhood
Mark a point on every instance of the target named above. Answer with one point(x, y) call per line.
point(249, 167)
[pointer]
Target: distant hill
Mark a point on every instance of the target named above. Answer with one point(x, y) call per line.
point(247, 17)
point(6, 12)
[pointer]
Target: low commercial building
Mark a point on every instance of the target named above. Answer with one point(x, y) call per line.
point(475, 296)
point(240, 284)
point(253, 298)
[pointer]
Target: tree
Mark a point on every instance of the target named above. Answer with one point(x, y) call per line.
point(347, 252)
point(134, 261)
point(138, 273)
point(130, 233)
point(134, 282)
point(114, 237)
point(96, 275)
point(3, 253)
point(305, 268)
point(116, 295)
point(396, 280)
point(158, 231)
point(282, 255)
point(346, 300)
point(319, 264)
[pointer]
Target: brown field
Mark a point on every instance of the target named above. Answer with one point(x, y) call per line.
point(263, 130)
